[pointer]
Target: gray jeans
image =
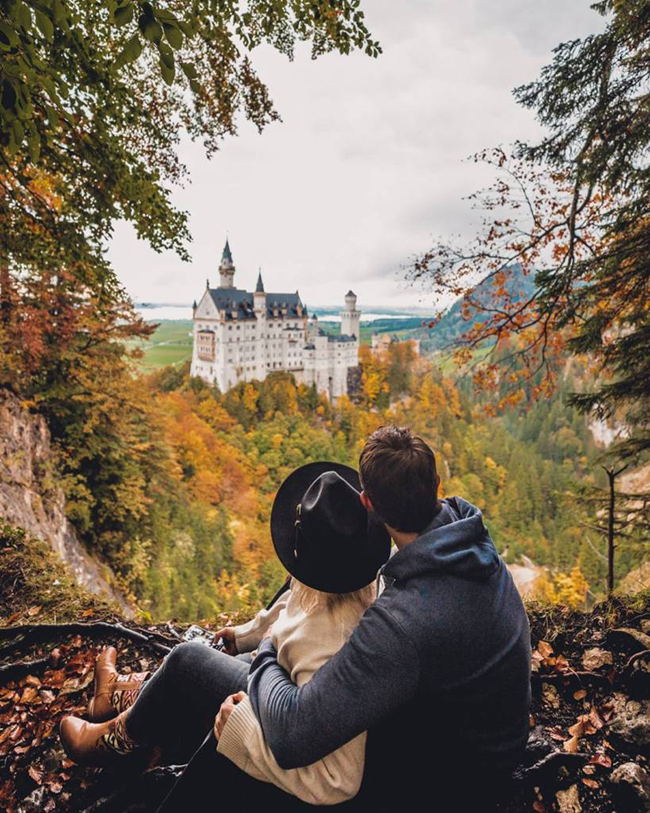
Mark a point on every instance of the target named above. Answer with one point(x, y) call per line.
point(177, 705)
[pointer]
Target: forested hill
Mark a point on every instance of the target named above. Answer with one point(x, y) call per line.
point(173, 486)
point(454, 322)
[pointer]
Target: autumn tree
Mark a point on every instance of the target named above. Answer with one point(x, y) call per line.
point(572, 212)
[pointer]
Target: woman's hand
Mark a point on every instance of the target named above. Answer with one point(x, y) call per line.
point(225, 711)
point(228, 635)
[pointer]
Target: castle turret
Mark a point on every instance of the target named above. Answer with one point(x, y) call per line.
point(350, 317)
point(259, 297)
point(226, 268)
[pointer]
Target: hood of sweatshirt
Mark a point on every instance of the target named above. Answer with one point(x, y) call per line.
point(455, 542)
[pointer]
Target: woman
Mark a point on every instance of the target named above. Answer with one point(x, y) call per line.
point(333, 549)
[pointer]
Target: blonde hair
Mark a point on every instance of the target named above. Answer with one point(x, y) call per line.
point(309, 598)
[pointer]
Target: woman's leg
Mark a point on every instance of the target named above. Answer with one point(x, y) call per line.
point(177, 705)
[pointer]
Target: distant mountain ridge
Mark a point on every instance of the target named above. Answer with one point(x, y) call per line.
point(452, 324)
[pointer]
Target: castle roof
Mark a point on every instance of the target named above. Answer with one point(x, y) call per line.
point(242, 302)
point(259, 288)
point(350, 293)
point(227, 255)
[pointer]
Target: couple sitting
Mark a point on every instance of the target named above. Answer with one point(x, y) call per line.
point(408, 688)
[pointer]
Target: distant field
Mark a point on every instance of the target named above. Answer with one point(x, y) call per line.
point(170, 344)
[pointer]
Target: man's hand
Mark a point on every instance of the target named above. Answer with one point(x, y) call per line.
point(225, 711)
point(228, 635)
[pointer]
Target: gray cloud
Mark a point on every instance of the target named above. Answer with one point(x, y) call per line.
point(367, 164)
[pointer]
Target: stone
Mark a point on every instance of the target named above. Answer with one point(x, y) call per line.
point(630, 721)
point(568, 800)
point(31, 498)
point(632, 787)
point(595, 658)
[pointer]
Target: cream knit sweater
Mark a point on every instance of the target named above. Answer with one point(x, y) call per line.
point(304, 642)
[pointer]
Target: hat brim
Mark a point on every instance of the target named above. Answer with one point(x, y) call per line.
point(283, 516)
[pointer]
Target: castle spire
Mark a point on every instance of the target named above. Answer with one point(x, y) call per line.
point(227, 254)
point(259, 288)
point(226, 268)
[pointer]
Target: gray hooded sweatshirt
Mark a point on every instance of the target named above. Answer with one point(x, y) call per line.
point(438, 670)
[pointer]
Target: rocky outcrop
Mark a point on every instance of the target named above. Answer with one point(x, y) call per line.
point(31, 498)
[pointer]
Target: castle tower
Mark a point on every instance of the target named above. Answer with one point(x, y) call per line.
point(259, 297)
point(350, 317)
point(226, 268)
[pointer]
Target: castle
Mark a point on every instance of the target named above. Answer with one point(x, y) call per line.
point(241, 336)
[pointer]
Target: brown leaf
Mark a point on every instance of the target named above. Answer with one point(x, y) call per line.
point(35, 774)
point(35, 610)
point(55, 679)
point(14, 617)
point(571, 746)
point(55, 657)
point(595, 719)
point(601, 759)
point(557, 733)
point(538, 807)
point(580, 694)
point(578, 728)
point(32, 680)
point(28, 695)
point(590, 783)
point(87, 613)
point(545, 649)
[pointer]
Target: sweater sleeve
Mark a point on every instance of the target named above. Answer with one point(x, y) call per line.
point(249, 635)
point(374, 673)
point(331, 780)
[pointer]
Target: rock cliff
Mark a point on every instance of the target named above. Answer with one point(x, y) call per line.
point(31, 498)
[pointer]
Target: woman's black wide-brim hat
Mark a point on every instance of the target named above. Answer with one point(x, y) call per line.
point(321, 532)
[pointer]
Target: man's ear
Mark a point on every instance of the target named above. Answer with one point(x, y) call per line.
point(365, 501)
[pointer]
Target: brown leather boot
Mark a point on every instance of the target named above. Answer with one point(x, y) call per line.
point(113, 693)
point(103, 745)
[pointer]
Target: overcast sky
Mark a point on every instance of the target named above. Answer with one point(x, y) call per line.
point(366, 166)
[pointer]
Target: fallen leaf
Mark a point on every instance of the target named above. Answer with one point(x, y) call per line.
point(578, 728)
point(35, 610)
point(35, 774)
point(32, 680)
point(28, 695)
point(590, 783)
point(545, 649)
point(571, 746)
point(538, 807)
point(557, 733)
point(601, 759)
point(595, 719)
point(580, 694)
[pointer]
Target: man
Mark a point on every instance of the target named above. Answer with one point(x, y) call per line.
point(438, 670)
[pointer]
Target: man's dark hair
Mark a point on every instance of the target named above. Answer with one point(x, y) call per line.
point(398, 474)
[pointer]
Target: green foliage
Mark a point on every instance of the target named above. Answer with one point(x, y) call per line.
point(35, 585)
point(96, 95)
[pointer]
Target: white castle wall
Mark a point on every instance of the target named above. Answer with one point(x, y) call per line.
point(228, 350)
